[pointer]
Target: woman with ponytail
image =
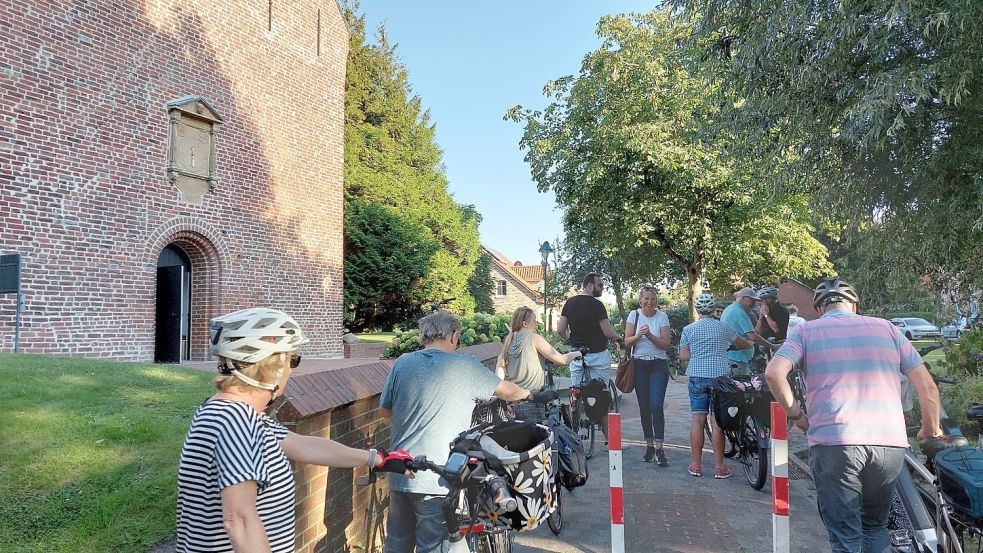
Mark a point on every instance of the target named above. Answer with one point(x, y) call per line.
point(524, 350)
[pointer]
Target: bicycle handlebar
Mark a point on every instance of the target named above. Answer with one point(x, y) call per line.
point(943, 379)
point(493, 486)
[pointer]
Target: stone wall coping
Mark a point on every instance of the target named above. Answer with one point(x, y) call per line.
point(308, 395)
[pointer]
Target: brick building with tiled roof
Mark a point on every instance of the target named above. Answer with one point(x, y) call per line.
point(516, 285)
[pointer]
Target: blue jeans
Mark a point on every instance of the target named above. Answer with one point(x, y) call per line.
point(854, 487)
point(416, 521)
point(699, 394)
point(651, 381)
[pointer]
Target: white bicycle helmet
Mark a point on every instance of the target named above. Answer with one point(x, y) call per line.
point(251, 335)
point(768, 292)
point(705, 303)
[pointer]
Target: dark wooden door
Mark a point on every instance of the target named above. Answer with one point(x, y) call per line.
point(168, 343)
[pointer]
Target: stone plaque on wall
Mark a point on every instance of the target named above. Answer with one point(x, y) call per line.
point(191, 147)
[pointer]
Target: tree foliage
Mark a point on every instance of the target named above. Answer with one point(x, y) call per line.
point(392, 160)
point(622, 148)
point(382, 289)
point(873, 108)
point(480, 285)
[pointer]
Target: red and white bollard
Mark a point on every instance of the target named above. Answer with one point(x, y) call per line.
point(779, 479)
point(617, 484)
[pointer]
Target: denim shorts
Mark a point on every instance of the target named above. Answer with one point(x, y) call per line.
point(699, 394)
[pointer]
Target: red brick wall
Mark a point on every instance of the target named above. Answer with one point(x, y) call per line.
point(794, 292)
point(83, 193)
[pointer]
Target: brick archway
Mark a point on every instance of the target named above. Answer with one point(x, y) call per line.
point(208, 257)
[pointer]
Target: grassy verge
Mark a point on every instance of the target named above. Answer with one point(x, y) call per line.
point(376, 337)
point(89, 452)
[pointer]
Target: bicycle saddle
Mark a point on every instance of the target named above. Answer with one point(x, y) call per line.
point(931, 446)
point(975, 412)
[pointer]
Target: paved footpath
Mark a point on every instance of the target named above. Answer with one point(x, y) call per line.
point(669, 511)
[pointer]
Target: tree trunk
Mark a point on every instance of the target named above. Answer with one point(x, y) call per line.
point(695, 289)
point(619, 297)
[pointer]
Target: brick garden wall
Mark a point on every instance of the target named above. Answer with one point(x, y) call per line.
point(83, 139)
point(333, 514)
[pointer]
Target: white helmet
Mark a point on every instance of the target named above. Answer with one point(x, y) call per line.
point(251, 335)
point(705, 303)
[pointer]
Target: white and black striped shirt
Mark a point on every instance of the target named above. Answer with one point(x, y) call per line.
point(228, 443)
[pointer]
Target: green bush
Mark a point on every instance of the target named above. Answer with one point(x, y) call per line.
point(480, 328)
point(965, 357)
point(678, 318)
point(956, 399)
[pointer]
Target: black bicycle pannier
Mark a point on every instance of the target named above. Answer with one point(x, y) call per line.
point(960, 471)
point(596, 396)
point(571, 458)
point(729, 407)
point(735, 397)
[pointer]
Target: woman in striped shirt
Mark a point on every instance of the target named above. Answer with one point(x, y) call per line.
point(235, 486)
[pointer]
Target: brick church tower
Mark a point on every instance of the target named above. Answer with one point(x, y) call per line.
point(163, 162)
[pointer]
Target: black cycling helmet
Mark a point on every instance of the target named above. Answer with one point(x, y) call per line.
point(768, 292)
point(831, 289)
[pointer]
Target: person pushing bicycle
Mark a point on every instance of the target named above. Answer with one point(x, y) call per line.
point(856, 426)
point(584, 324)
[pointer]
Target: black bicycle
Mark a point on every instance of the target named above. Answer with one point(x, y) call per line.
point(934, 509)
point(749, 428)
point(590, 401)
point(556, 414)
point(475, 492)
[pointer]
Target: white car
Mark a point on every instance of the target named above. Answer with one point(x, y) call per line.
point(954, 329)
point(916, 329)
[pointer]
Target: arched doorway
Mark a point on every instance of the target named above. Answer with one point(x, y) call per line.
point(172, 342)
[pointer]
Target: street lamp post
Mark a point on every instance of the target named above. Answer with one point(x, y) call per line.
point(545, 250)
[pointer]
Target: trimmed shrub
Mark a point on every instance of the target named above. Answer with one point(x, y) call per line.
point(479, 328)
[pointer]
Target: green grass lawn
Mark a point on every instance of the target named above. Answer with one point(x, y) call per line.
point(934, 358)
point(376, 337)
point(89, 452)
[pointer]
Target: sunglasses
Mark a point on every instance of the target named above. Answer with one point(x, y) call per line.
point(295, 361)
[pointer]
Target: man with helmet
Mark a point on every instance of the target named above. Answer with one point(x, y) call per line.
point(429, 396)
point(856, 426)
point(704, 344)
point(235, 484)
point(773, 320)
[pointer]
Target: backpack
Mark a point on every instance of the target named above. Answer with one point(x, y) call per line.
point(571, 459)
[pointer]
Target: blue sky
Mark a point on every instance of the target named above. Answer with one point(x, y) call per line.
point(470, 62)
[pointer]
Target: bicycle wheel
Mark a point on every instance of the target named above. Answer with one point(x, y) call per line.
point(730, 448)
point(555, 519)
point(615, 398)
point(754, 458)
point(584, 429)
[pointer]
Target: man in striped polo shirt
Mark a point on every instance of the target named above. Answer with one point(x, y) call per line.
point(704, 345)
point(856, 428)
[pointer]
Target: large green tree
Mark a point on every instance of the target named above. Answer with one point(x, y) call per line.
point(621, 146)
point(382, 289)
point(874, 108)
point(392, 160)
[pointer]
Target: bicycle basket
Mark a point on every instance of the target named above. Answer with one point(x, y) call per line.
point(597, 399)
point(520, 452)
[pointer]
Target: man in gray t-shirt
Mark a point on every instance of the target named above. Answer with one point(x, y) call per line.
point(429, 396)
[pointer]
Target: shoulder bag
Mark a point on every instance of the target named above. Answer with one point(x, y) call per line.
point(625, 379)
